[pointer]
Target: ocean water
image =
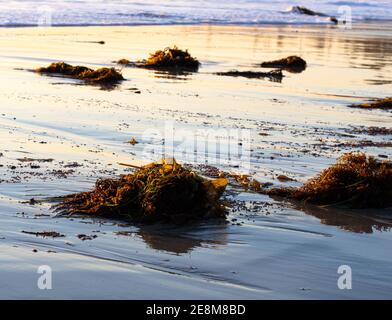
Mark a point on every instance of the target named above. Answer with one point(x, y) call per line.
point(127, 12)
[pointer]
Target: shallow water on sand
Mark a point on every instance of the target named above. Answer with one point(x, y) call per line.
point(296, 127)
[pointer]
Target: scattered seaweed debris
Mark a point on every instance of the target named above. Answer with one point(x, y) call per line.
point(385, 103)
point(170, 59)
point(308, 12)
point(25, 159)
point(158, 192)
point(45, 234)
point(292, 64)
point(132, 141)
point(356, 181)
point(102, 76)
point(85, 237)
point(372, 131)
point(275, 75)
point(248, 183)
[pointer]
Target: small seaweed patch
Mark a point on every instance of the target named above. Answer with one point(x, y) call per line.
point(158, 192)
point(385, 103)
point(45, 234)
point(169, 59)
point(356, 180)
point(102, 76)
point(275, 75)
point(373, 131)
point(123, 61)
point(291, 64)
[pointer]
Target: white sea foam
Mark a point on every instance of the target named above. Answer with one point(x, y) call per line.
point(126, 12)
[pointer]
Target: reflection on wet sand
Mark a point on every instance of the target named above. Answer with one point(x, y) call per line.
point(351, 52)
point(347, 219)
point(179, 242)
point(172, 74)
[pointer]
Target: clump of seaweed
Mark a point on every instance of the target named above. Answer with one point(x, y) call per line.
point(385, 103)
point(123, 62)
point(275, 75)
point(292, 64)
point(103, 76)
point(158, 192)
point(356, 180)
point(169, 59)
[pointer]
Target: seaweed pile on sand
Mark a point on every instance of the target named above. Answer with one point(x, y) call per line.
point(102, 76)
point(356, 181)
point(293, 64)
point(385, 103)
point(157, 192)
point(170, 59)
point(275, 75)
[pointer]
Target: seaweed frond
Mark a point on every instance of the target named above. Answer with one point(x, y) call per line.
point(274, 75)
point(157, 192)
point(356, 180)
point(171, 58)
point(104, 76)
point(385, 103)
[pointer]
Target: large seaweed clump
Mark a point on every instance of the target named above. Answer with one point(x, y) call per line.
point(291, 64)
point(385, 103)
point(158, 192)
point(171, 58)
point(104, 76)
point(356, 180)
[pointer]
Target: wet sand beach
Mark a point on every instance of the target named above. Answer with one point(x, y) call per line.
point(57, 136)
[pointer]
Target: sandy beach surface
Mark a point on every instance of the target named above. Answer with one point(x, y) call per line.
point(58, 136)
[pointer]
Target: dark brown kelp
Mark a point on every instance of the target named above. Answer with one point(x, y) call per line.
point(385, 103)
point(373, 131)
point(291, 63)
point(158, 192)
point(275, 75)
point(356, 180)
point(103, 76)
point(124, 61)
point(171, 58)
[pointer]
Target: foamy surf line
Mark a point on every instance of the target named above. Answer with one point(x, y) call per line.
point(177, 12)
